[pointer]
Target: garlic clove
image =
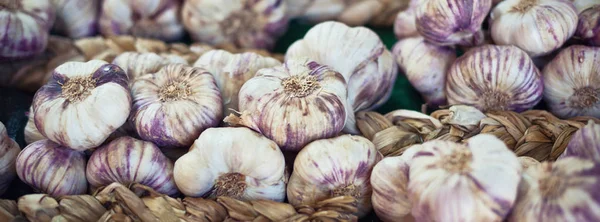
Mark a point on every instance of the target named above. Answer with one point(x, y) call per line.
point(588, 28)
point(76, 18)
point(339, 166)
point(25, 26)
point(582, 5)
point(9, 149)
point(138, 64)
point(31, 132)
point(390, 193)
point(585, 143)
point(405, 24)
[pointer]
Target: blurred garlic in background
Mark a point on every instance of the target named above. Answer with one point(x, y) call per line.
point(588, 28)
point(25, 27)
point(582, 5)
point(137, 64)
point(9, 149)
point(527, 162)
point(350, 12)
point(405, 23)
point(76, 18)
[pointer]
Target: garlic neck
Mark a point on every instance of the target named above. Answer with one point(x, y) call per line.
point(350, 190)
point(239, 21)
point(459, 161)
point(174, 91)
point(525, 5)
point(300, 85)
point(230, 185)
point(494, 100)
point(552, 186)
point(11, 5)
point(78, 88)
point(585, 97)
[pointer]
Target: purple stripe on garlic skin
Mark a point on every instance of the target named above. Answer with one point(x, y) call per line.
point(25, 26)
point(9, 149)
point(128, 160)
point(585, 143)
point(588, 28)
point(76, 18)
point(52, 169)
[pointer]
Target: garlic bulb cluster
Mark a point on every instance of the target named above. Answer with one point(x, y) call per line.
point(174, 105)
point(137, 64)
point(231, 71)
point(158, 19)
point(246, 23)
point(426, 178)
point(572, 82)
point(339, 166)
point(82, 104)
point(494, 77)
point(582, 5)
point(545, 25)
point(52, 169)
point(9, 149)
point(293, 104)
point(232, 162)
point(31, 133)
point(128, 160)
point(406, 21)
point(585, 143)
point(588, 28)
point(359, 55)
point(25, 27)
point(76, 18)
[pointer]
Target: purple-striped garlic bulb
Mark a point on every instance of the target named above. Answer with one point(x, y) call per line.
point(544, 25)
point(31, 133)
point(127, 160)
point(588, 28)
point(137, 64)
point(157, 19)
point(572, 82)
point(25, 27)
point(406, 21)
point(9, 149)
point(482, 174)
point(339, 166)
point(174, 105)
point(494, 77)
point(565, 190)
point(235, 162)
point(425, 65)
point(76, 18)
point(243, 23)
point(359, 55)
point(582, 5)
point(293, 104)
point(585, 143)
point(52, 169)
point(82, 104)
point(452, 22)
point(231, 71)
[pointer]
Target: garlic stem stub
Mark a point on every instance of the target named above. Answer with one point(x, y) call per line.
point(588, 28)
point(25, 27)
point(494, 77)
point(82, 104)
point(235, 162)
point(339, 166)
point(173, 106)
point(572, 82)
point(127, 160)
point(585, 143)
point(76, 18)
point(9, 149)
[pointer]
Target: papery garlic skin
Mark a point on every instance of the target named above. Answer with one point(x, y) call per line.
point(52, 169)
point(390, 193)
point(234, 162)
point(25, 27)
point(31, 132)
point(588, 28)
point(246, 23)
point(585, 143)
point(137, 64)
point(572, 82)
point(339, 166)
point(231, 71)
point(494, 77)
point(128, 160)
point(9, 149)
point(425, 66)
point(76, 18)
point(545, 25)
point(582, 5)
point(173, 106)
point(406, 21)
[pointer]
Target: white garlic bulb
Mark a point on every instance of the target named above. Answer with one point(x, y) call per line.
point(231, 71)
point(572, 82)
point(233, 162)
point(390, 193)
point(359, 55)
point(545, 25)
point(82, 104)
point(137, 64)
point(31, 133)
point(24, 27)
point(9, 149)
point(76, 18)
point(582, 5)
point(293, 104)
point(339, 166)
point(405, 24)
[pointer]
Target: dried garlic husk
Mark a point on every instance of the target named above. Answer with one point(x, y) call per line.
point(293, 104)
point(588, 28)
point(25, 27)
point(137, 64)
point(173, 106)
point(425, 66)
point(565, 190)
point(545, 25)
point(585, 143)
point(38, 207)
point(494, 77)
point(76, 18)
point(9, 149)
point(31, 132)
point(405, 24)
point(231, 71)
point(128, 160)
point(219, 164)
point(82, 104)
point(368, 67)
point(582, 5)
point(339, 166)
point(370, 123)
point(572, 82)
point(52, 169)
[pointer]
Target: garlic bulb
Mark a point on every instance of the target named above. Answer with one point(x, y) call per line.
point(350, 12)
point(157, 19)
point(9, 149)
point(219, 164)
point(173, 106)
point(451, 22)
point(425, 66)
point(545, 25)
point(127, 160)
point(565, 190)
point(76, 18)
point(293, 104)
point(231, 71)
point(339, 166)
point(588, 28)
point(137, 64)
point(585, 143)
point(31, 132)
point(572, 82)
point(367, 66)
point(82, 104)
point(405, 24)
point(25, 27)
point(390, 193)
point(494, 77)
point(582, 5)
point(247, 24)
point(52, 169)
